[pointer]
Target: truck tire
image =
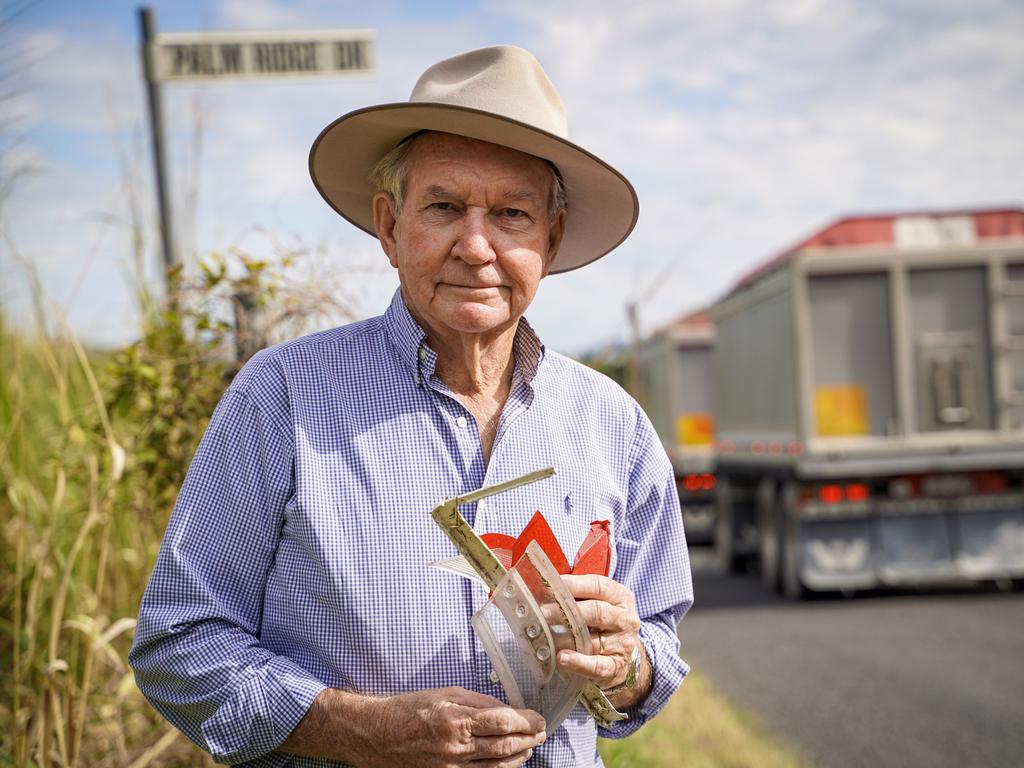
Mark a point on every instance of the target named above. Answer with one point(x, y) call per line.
point(790, 544)
point(793, 587)
point(769, 521)
point(725, 552)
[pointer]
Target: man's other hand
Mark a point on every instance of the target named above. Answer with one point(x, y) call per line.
point(454, 727)
point(609, 609)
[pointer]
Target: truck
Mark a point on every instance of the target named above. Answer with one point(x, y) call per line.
point(673, 369)
point(869, 405)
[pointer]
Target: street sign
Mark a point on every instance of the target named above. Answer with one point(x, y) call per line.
point(221, 56)
point(226, 56)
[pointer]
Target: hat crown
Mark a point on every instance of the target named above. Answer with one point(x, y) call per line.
point(504, 80)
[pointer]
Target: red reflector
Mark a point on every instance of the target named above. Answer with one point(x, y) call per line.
point(991, 482)
point(757, 447)
point(707, 482)
point(831, 494)
point(857, 492)
point(795, 449)
point(691, 482)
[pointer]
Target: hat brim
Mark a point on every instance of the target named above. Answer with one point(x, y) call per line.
point(603, 206)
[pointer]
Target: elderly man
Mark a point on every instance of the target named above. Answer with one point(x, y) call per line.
point(291, 618)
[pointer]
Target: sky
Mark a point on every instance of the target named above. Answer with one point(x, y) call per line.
point(745, 125)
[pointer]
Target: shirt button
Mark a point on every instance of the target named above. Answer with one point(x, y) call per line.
point(423, 353)
point(494, 677)
point(461, 421)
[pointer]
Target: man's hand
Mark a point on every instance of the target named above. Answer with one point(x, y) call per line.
point(454, 727)
point(609, 610)
point(436, 728)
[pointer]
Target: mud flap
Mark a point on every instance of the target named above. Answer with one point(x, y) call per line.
point(837, 554)
point(991, 544)
point(915, 549)
point(699, 520)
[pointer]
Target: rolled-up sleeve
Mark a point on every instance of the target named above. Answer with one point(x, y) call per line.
point(196, 654)
point(654, 563)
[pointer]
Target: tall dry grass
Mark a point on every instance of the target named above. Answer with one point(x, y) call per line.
point(75, 559)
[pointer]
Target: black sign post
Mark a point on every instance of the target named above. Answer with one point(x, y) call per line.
point(156, 129)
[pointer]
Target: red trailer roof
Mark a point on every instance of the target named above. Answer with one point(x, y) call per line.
point(903, 230)
point(695, 320)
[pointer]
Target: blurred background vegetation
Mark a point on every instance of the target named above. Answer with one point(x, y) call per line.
point(93, 446)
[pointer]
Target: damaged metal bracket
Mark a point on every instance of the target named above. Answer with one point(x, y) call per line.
point(489, 568)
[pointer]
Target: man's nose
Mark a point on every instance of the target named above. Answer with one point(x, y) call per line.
point(473, 242)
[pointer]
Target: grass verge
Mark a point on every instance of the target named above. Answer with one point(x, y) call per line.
point(700, 729)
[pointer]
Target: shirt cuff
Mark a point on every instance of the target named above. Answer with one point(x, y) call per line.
point(667, 670)
point(262, 711)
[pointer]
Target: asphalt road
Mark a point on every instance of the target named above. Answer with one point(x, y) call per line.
point(914, 679)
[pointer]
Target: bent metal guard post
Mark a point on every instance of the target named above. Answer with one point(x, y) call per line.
point(486, 564)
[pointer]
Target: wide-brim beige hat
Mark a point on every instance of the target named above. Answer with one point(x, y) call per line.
point(500, 95)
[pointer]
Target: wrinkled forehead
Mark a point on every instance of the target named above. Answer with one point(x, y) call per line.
point(435, 153)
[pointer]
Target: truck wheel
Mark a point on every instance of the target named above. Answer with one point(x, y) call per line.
point(769, 524)
point(725, 551)
point(789, 540)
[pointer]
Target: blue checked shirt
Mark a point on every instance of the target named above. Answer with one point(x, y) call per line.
point(297, 555)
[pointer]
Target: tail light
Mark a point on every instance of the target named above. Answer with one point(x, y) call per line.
point(991, 482)
point(701, 482)
point(831, 494)
point(834, 493)
point(857, 492)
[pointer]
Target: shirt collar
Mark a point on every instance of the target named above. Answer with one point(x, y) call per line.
point(408, 339)
point(410, 342)
point(528, 351)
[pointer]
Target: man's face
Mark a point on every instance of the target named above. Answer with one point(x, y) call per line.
point(473, 238)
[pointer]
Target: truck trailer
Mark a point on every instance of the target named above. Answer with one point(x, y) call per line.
point(869, 405)
point(674, 369)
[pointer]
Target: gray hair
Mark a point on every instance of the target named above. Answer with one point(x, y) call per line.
point(388, 176)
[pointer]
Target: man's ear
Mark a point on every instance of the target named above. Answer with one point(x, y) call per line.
point(555, 234)
point(384, 221)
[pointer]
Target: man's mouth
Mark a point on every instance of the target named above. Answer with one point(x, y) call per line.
point(465, 287)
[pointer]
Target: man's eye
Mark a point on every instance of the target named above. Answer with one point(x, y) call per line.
point(512, 213)
point(439, 206)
